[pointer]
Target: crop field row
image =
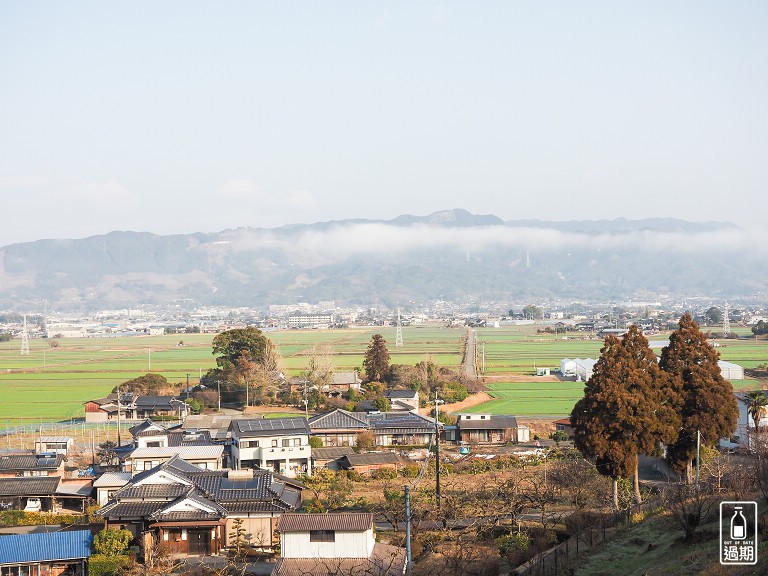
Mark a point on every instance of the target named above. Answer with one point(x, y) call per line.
point(53, 382)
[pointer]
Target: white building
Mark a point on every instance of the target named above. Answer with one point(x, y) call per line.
point(731, 371)
point(279, 444)
point(334, 543)
point(310, 320)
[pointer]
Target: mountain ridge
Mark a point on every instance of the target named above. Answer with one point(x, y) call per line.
point(449, 254)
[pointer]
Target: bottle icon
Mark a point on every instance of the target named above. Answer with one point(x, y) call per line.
point(738, 525)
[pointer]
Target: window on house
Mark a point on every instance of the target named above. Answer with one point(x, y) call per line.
point(274, 443)
point(155, 444)
point(322, 536)
point(286, 442)
point(297, 441)
point(252, 444)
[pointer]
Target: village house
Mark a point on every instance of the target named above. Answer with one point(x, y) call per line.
point(490, 429)
point(341, 428)
point(338, 428)
point(565, 425)
point(46, 554)
point(342, 383)
point(55, 444)
point(192, 511)
point(329, 457)
point(133, 407)
point(369, 462)
point(343, 544)
point(20, 465)
point(154, 444)
point(277, 444)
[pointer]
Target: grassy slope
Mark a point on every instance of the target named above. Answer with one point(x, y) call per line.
point(653, 548)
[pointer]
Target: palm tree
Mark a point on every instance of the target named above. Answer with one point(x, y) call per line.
point(756, 402)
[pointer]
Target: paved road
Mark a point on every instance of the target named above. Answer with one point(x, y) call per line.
point(469, 357)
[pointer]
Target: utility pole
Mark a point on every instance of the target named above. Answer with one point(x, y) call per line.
point(218, 383)
point(407, 530)
point(437, 455)
point(118, 416)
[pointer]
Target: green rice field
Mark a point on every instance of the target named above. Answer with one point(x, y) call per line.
point(52, 383)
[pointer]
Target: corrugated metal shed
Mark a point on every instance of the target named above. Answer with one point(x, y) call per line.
point(45, 547)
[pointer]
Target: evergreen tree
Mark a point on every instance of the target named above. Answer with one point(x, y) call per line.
point(597, 419)
point(628, 408)
point(651, 417)
point(708, 404)
point(376, 361)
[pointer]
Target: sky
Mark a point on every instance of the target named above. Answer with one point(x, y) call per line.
point(183, 116)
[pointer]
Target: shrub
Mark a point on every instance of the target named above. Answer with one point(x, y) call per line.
point(100, 565)
point(513, 543)
point(112, 542)
point(315, 442)
point(410, 470)
point(384, 474)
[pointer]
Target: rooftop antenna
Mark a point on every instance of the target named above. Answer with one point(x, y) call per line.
point(399, 331)
point(726, 323)
point(25, 338)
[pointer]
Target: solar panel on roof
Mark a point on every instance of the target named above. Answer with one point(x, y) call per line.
point(240, 484)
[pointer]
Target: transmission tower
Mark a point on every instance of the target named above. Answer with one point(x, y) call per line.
point(25, 338)
point(726, 322)
point(399, 331)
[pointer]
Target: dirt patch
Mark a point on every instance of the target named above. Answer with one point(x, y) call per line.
point(468, 402)
point(519, 378)
point(541, 427)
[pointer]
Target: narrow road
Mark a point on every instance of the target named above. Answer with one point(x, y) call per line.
point(469, 356)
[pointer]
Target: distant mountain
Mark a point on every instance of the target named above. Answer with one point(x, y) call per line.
point(451, 255)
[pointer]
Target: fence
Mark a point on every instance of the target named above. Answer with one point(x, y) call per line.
point(556, 561)
point(85, 434)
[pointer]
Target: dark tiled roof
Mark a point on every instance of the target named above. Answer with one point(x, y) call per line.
point(181, 438)
point(151, 491)
point(371, 458)
point(116, 509)
point(241, 507)
point(495, 422)
point(154, 402)
point(408, 421)
point(343, 522)
point(331, 453)
point(175, 466)
point(395, 394)
point(269, 427)
point(30, 462)
point(146, 428)
point(214, 510)
point(386, 560)
point(45, 547)
point(338, 419)
point(39, 486)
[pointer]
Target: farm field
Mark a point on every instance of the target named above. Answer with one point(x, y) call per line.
point(531, 398)
point(52, 383)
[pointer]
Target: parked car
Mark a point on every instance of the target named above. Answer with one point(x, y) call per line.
point(33, 505)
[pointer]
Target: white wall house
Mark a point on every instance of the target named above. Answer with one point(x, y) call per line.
point(278, 444)
point(334, 543)
point(745, 434)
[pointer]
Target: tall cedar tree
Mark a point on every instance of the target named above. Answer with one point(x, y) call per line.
point(598, 419)
point(708, 404)
point(628, 409)
point(652, 398)
point(376, 361)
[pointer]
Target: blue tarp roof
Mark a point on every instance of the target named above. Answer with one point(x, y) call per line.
point(44, 547)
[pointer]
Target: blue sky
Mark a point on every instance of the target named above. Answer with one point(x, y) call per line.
point(174, 117)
